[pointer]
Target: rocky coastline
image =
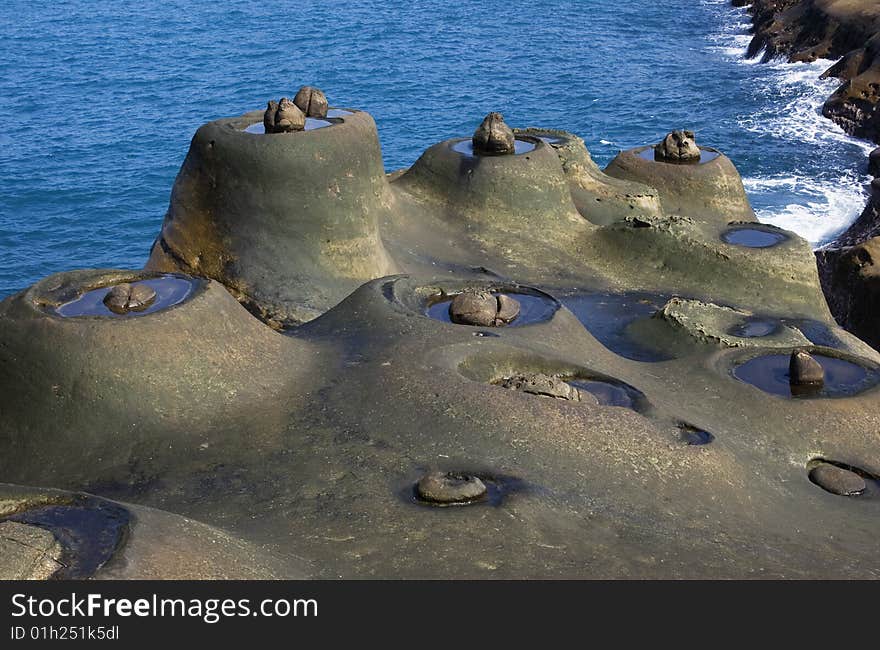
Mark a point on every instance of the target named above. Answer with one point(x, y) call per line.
point(847, 31)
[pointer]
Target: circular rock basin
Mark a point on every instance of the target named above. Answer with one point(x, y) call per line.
point(338, 112)
point(753, 237)
point(754, 328)
point(609, 393)
point(705, 156)
point(694, 435)
point(769, 373)
point(533, 308)
point(170, 290)
point(552, 139)
point(312, 123)
point(466, 147)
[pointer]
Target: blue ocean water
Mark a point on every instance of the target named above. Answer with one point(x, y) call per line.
point(100, 100)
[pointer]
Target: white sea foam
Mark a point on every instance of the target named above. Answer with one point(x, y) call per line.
point(819, 209)
point(817, 206)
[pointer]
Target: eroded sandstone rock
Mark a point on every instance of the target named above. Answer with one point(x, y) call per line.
point(283, 117)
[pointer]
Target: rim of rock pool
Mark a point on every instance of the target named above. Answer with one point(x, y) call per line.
point(735, 360)
point(775, 236)
point(707, 155)
point(52, 305)
point(523, 144)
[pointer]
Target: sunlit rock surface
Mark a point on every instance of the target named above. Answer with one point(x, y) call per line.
point(299, 373)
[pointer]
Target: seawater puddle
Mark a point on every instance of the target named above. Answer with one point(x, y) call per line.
point(170, 290)
point(607, 316)
point(466, 148)
point(753, 237)
point(532, 309)
point(608, 393)
point(89, 531)
point(754, 328)
point(312, 123)
point(705, 156)
point(769, 373)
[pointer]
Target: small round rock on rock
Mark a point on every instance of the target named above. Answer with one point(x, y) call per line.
point(543, 385)
point(450, 488)
point(837, 480)
point(283, 117)
point(483, 309)
point(125, 298)
point(312, 102)
point(678, 146)
point(494, 137)
point(804, 370)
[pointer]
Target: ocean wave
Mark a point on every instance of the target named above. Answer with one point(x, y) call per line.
point(820, 209)
point(817, 206)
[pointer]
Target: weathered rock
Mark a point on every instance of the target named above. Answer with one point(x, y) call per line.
point(874, 162)
point(837, 480)
point(542, 384)
point(288, 117)
point(851, 280)
point(483, 308)
point(312, 102)
point(804, 370)
point(678, 146)
point(27, 552)
point(450, 488)
point(125, 297)
point(493, 136)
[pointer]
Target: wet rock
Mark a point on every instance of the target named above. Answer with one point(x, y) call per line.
point(678, 146)
point(450, 487)
point(289, 117)
point(874, 163)
point(804, 370)
point(837, 480)
point(124, 298)
point(483, 308)
point(493, 136)
point(27, 552)
point(542, 384)
point(311, 101)
point(269, 116)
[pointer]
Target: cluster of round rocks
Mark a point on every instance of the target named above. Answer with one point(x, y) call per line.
point(483, 308)
point(286, 116)
point(124, 298)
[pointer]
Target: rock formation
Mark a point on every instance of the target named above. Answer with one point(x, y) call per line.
point(300, 391)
